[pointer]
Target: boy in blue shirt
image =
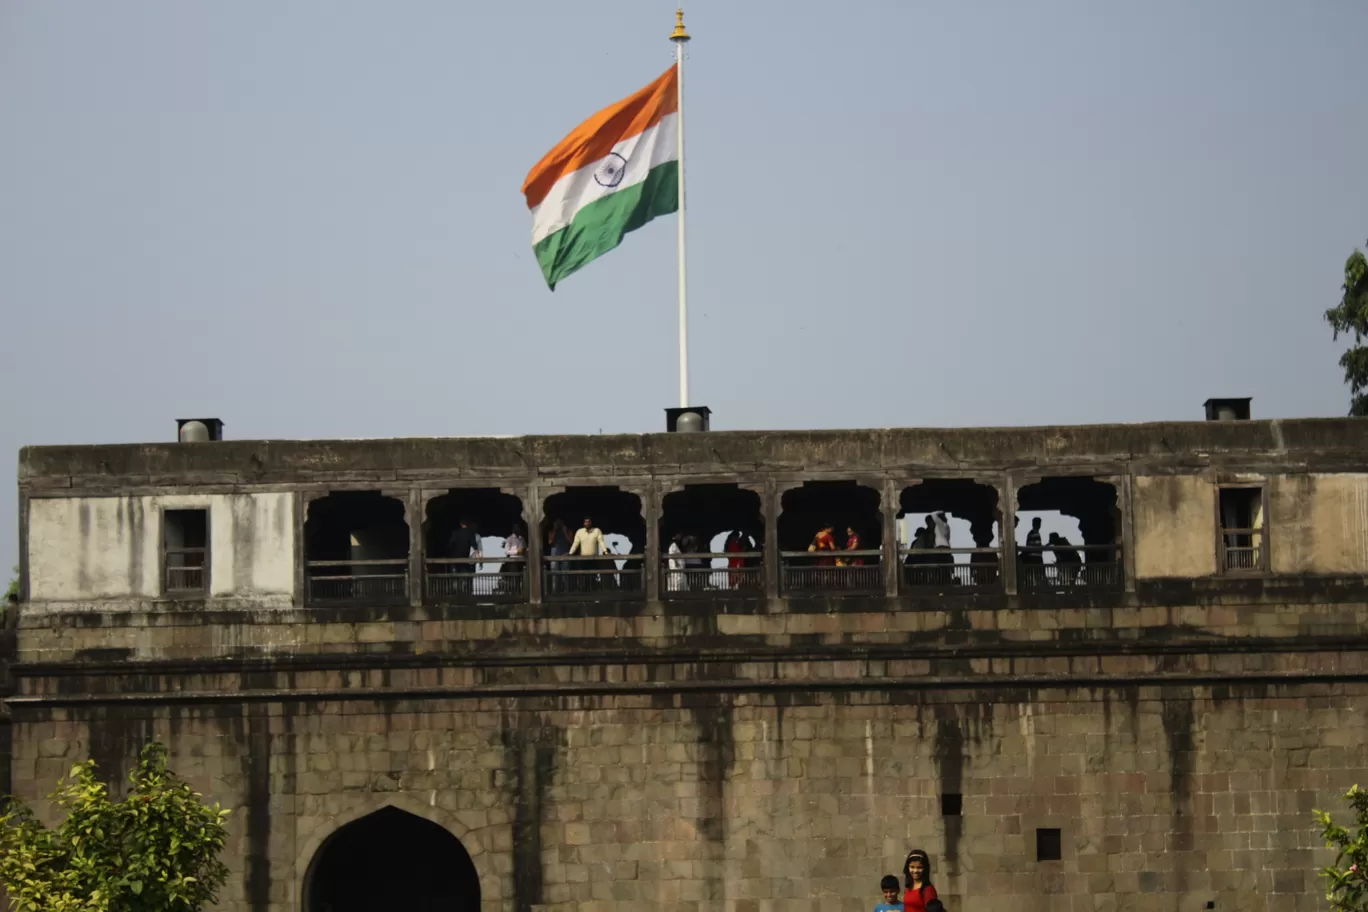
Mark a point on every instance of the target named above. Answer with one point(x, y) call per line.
point(891, 902)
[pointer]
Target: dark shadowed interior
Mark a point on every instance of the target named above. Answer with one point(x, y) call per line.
point(709, 509)
point(840, 504)
point(392, 859)
point(493, 513)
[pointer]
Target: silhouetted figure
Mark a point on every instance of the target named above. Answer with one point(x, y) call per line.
point(938, 534)
point(1033, 541)
point(696, 568)
point(1068, 560)
point(632, 569)
point(983, 564)
point(463, 544)
point(558, 545)
point(923, 540)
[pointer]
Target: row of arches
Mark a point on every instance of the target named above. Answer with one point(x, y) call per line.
point(357, 543)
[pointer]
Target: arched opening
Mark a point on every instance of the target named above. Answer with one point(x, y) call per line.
point(1066, 534)
point(948, 534)
point(593, 542)
point(713, 537)
point(392, 859)
point(474, 547)
point(830, 536)
point(356, 548)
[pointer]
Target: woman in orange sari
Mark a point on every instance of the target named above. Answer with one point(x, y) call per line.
point(852, 544)
point(824, 540)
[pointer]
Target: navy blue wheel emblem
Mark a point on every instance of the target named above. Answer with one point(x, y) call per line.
point(609, 174)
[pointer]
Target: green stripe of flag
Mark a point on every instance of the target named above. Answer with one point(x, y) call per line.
point(599, 226)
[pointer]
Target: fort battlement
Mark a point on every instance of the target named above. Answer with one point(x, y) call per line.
point(1161, 684)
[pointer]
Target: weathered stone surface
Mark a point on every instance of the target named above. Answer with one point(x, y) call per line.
point(748, 756)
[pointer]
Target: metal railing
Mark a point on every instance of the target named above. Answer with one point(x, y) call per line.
point(357, 580)
point(605, 576)
point(1091, 566)
point(831, 571)
point(697, 575)
point(185, 570)
point(942, 568)
point(466, 579)
point(1243, 549)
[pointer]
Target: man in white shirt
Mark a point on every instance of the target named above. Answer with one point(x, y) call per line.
point(589, 540)
point(589, 543)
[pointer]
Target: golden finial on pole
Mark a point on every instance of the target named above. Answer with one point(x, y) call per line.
point(679, 34)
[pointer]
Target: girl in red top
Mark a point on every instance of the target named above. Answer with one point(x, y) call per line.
point(917, 879)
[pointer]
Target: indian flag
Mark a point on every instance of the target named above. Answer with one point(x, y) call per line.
point(612, 174)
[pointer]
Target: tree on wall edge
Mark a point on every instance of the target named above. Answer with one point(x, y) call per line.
point(1346, 881)
point(1351, 316)
point(155, 851)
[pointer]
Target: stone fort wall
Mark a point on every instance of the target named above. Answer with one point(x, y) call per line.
point(748, 761)
point(1166, 797)
point(722, 755)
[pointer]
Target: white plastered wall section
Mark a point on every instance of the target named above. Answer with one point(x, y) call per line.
point(110, 547)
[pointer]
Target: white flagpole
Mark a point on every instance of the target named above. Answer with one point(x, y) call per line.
point(680, 38)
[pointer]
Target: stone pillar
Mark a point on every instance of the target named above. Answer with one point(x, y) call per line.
point(415, 509)
point(889, 505)
point(770, 502)
point(652, 500)
point(1125, 532)
point(536, 542)
point(301, 514)
point(1007, 533)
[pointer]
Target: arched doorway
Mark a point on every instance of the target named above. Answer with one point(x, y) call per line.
point(392, 859)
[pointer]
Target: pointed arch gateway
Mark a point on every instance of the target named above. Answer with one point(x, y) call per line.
point(391, 859)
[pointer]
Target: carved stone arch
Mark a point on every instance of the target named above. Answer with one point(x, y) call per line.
point(361, 805)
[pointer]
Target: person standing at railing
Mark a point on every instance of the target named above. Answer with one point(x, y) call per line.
point(558, 545)
point(852, 544)
point(824, 540)
point(675, 581)
point(464, 544)
point(1068, 560)
point(589, 543)
point(1033, 553)
point(923, 540)
point(696, 569)
point(941, 525)
point(940, 540)
point(515, 546)
point(733, 545)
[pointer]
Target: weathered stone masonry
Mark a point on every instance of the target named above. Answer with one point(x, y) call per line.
point(746, 755)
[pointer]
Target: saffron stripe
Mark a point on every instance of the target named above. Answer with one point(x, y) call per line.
point(573, 192)
point(596, 137)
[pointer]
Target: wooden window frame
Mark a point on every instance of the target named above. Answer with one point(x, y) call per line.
point(1222, 566)
point(202, 592)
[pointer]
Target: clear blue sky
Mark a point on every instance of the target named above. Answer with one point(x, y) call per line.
point(304, 217)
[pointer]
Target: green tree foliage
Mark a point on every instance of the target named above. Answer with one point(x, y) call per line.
point(12, 592)
point(1351, 316)
point(1346, 881)
point(155, 851)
